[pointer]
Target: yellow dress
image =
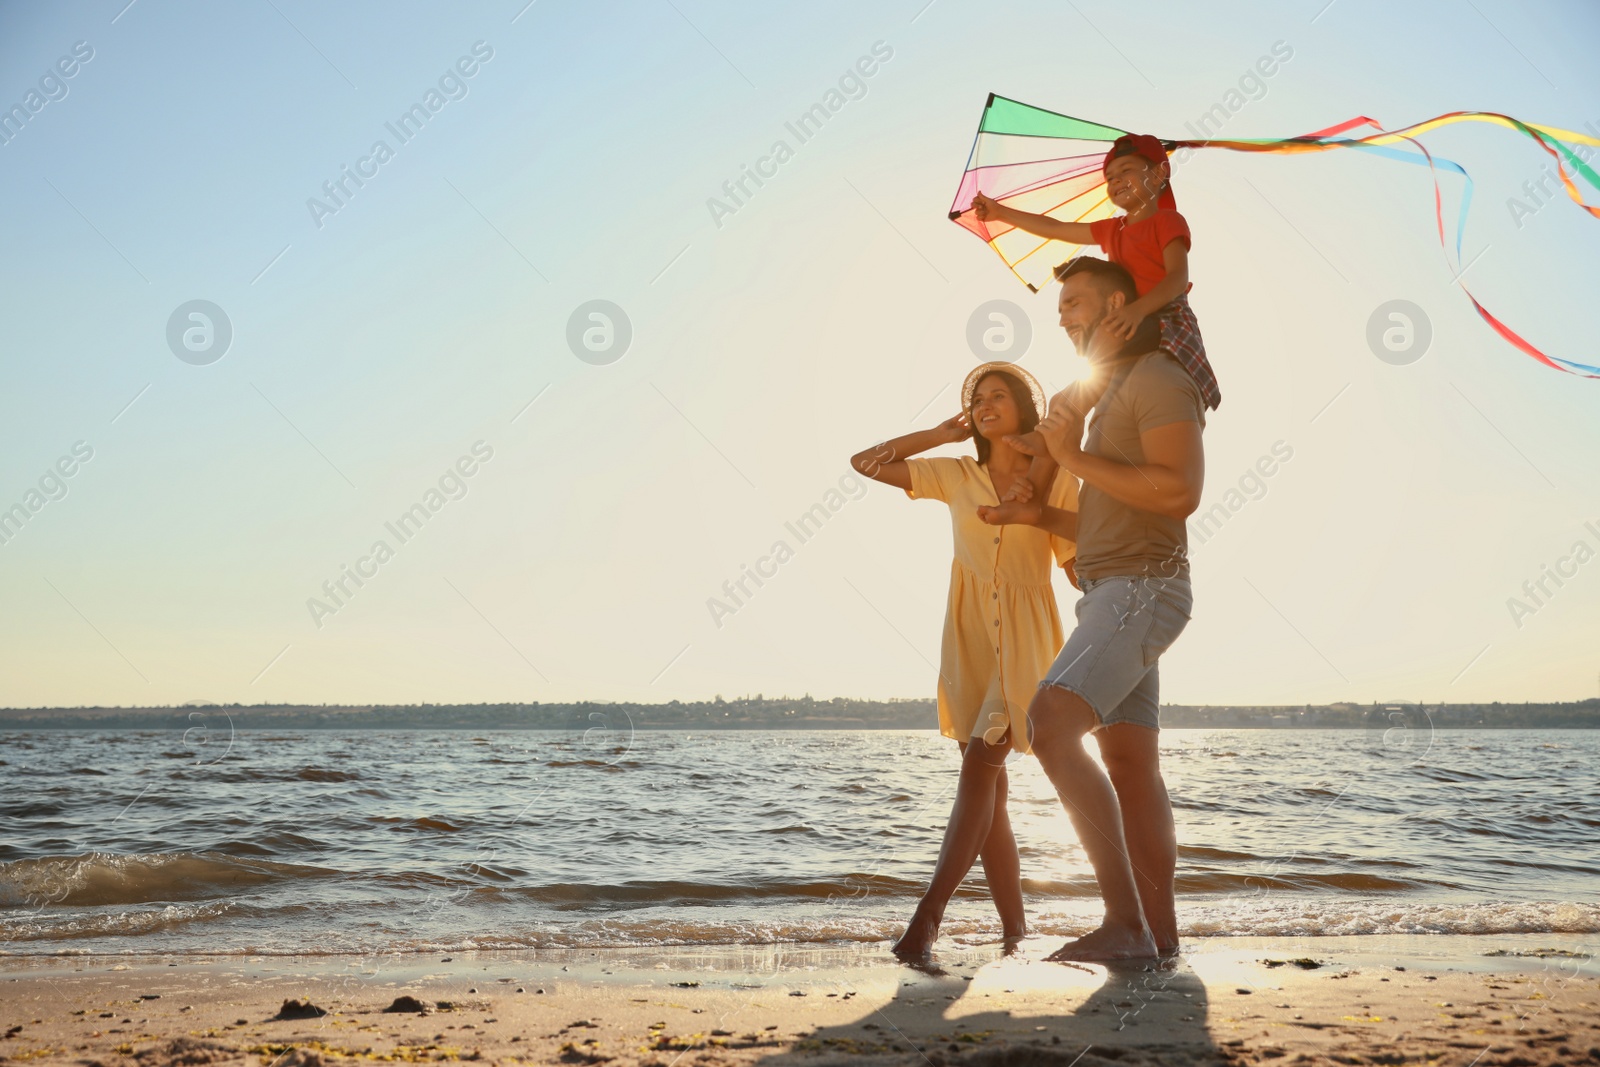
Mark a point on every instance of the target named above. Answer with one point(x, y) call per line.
point(1001, 627)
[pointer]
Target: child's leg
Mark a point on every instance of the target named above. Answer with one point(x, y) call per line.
point(1041, 473)
point(1180, 336)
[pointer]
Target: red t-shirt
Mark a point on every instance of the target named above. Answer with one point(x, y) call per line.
point(1138, 246)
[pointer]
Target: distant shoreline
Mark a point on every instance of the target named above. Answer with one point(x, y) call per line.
point(760, 713)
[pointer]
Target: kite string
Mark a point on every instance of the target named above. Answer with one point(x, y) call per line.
point(1516, 339)
point(1551, 140)
point(1325, 139)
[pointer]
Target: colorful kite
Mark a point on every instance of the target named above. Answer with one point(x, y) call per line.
point(1050, 164)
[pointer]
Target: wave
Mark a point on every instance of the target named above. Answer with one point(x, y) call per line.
point(878, 886)
point(684, 892)
point(99, 879)
point(598, 764)
point(118, 925)
point(1283, 918)
point(103, 879)
point(839, 927)
point(421, 822)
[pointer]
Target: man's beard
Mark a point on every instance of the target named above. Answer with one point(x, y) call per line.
point(1085, 341)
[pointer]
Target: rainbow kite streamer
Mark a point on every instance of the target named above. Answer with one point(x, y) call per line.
point(1050, 164)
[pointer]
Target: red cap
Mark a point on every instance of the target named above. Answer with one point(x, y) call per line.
point(1142, 144)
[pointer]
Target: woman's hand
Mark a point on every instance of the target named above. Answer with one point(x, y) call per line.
point(955, 429)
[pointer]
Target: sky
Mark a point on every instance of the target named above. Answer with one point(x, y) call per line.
point(426, 342)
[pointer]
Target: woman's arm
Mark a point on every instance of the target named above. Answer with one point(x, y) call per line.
point(987, 210)
point(887, 462)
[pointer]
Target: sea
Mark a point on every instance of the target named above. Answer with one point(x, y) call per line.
point(214, 840)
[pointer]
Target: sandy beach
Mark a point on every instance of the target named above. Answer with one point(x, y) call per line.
point(1440, 1000)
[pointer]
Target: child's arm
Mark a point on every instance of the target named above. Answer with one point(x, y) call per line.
point(992, 210)
point(887, 462)
point(1125, 322)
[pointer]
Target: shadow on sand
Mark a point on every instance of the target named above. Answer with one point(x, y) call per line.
point(1087, 1015)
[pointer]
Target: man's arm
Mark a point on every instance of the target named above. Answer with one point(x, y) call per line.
point(1167, 483)
point(1058, 521)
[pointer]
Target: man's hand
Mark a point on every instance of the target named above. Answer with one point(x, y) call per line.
point(1061, 430)
point(1012, 514)
point(1021, 491)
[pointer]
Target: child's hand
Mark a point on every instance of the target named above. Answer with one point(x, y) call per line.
point(985, 208)
point(956, 429)
point(1123, 322)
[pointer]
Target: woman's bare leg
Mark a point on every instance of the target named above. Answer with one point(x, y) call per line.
point(971, 820)
point(1002, 867)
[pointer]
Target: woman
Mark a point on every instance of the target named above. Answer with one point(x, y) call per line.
point(1001, 628)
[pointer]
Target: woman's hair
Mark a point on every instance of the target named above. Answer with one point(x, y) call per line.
point(1027, 414)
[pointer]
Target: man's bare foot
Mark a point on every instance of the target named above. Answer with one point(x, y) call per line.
point(917, 941)
point(1108, 943)
point(1010, 941)
point(1164, 931)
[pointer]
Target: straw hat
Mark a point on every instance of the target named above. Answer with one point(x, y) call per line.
point(1006, 367)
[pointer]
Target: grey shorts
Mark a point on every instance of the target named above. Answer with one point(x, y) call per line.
point(1124, 625)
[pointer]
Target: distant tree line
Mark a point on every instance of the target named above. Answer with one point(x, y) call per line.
point(760, 713)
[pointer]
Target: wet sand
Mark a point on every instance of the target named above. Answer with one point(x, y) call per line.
point(1440, 1000)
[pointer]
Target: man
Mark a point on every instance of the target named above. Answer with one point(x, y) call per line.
point(1142, 468)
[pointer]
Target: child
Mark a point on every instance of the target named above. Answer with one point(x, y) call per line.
point(1151, 241)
